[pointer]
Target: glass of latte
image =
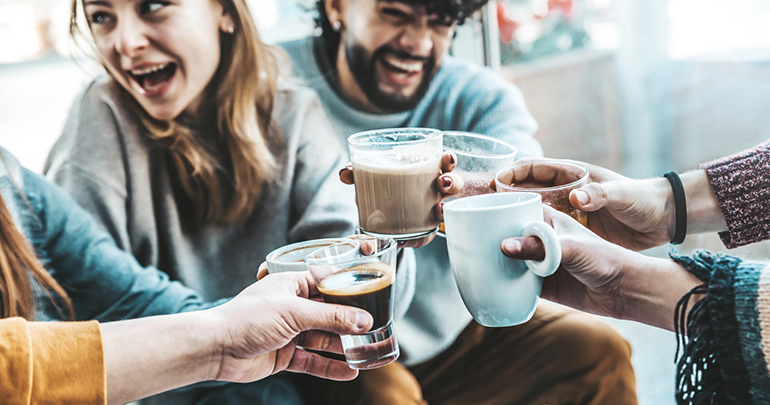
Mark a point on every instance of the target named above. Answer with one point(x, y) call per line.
point(395, 172)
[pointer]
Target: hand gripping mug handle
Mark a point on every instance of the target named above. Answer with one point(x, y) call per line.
point(552, 260)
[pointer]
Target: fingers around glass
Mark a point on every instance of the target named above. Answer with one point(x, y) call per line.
point(448, 162)
point(346, 174)
point(262, 272)
point(449, 184)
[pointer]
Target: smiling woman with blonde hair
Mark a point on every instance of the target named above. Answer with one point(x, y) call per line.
point(195, 155)
point(174, 90)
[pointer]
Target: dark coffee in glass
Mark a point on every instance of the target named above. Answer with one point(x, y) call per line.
point(360, 273)
point(367, 286)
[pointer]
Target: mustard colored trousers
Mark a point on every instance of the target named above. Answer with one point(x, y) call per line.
point(561, 356)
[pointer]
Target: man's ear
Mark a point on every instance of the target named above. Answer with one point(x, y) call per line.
point(335, 12)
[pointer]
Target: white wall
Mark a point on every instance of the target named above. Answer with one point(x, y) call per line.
point(35, 98)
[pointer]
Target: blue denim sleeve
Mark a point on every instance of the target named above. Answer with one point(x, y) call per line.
point(103, 282)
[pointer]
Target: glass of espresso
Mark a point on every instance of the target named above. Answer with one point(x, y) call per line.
point(479, 158)
point(363, 279)
point(395, 172)
point(553, 179)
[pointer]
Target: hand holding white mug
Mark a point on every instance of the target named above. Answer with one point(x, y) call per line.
point(602, 278)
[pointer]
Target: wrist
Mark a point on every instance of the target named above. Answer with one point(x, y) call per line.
point(666, 194)
point(703, 211)
point(631, 286)
point(653, 287)
point(212, 328)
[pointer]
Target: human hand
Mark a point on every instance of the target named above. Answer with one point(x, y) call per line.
point(263, 326)
point(606, 279)
point(636, 214)
point(262, 271)
point(590, 277)
point(448, 184)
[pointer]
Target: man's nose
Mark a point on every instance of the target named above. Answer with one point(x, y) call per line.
point(417, 39)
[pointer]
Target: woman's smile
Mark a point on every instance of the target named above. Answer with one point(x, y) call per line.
point(152, 80)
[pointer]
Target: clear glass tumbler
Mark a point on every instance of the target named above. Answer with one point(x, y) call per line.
point(395, 172)
point(553, 179)
point(479, 158)
point(361, 273)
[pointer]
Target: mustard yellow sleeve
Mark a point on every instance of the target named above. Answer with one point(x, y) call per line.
point(51, 363)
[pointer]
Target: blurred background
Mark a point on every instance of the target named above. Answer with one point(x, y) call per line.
point(641, 87)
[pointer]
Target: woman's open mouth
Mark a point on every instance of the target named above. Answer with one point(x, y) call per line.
point(153, 81)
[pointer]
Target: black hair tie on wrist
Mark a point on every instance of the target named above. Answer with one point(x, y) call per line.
point(680, 207)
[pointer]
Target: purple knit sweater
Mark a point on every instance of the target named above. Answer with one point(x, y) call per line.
point(741, 183)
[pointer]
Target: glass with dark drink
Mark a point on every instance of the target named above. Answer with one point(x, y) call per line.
point(553, 179)
point(361, 273)
point(479, 158)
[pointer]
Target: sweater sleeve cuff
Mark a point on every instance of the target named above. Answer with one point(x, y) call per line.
point(742, 188)
point(67, 363)
point(723, 358)
point(15, 361)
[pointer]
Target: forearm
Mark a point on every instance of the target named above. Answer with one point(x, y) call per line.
point(652, 288)
point(150, 355)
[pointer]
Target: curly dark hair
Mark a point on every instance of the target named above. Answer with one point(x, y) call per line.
point(450, 11)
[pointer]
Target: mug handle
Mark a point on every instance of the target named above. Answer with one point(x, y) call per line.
point(552, 260)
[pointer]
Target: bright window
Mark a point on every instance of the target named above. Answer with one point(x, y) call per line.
point(711, 27)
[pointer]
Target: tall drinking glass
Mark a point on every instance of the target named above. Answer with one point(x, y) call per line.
point(479, 158)
point(395, 172)
point(553, 179)
point(361, 273)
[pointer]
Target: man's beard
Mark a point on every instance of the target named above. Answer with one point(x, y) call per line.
point(365, 73)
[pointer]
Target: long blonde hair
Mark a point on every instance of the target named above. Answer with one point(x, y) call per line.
point(16, 259)
point(245, 84)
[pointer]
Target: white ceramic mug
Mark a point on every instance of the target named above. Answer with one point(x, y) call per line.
point(497, 290)
point(292, 257)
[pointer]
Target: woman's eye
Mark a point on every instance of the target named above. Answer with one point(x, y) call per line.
point(99, 18)
point(152, 5)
